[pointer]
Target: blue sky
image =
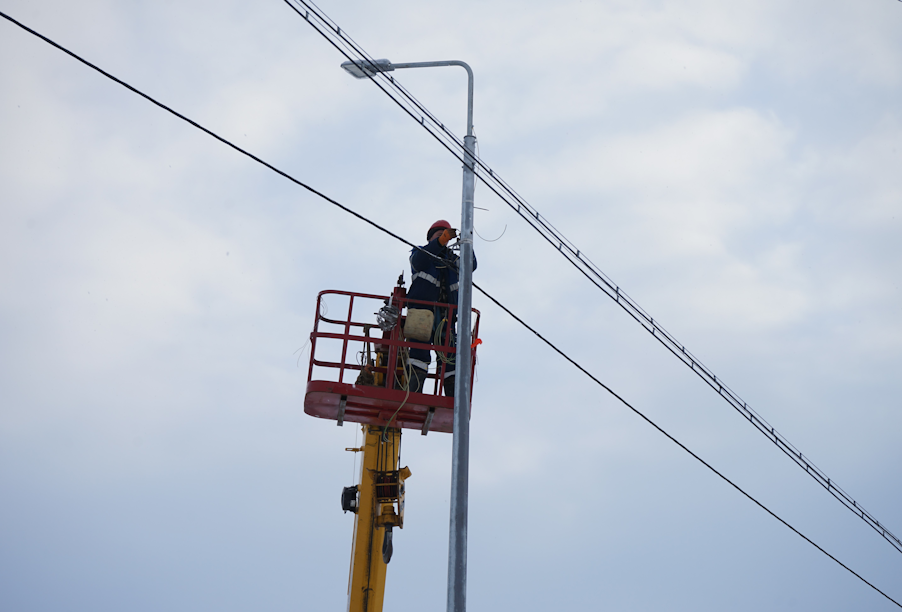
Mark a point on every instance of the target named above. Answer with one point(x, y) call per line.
point(735, 168)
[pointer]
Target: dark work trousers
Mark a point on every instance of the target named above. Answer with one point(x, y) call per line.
point(421, 358)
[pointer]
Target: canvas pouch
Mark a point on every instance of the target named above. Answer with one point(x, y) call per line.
point(418, 325)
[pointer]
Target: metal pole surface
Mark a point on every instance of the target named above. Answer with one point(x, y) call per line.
point(463, 65)
point(460, 453)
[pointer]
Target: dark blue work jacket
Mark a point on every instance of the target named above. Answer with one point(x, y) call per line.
point(434, 279)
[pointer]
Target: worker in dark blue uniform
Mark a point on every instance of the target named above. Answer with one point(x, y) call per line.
point(434, 278)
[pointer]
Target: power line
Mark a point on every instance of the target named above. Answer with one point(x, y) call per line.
point(481, 290)
point(674, 440)
point(416, 110)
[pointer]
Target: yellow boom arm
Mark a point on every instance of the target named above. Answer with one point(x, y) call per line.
point(379, 508)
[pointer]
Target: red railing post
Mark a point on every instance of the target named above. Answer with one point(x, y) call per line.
point(344, 343)
point(392, 362)
point(313, 336)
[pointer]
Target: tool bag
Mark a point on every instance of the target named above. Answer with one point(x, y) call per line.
point(418, 325)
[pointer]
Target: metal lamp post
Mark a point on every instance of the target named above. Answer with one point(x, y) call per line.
point(460, 455)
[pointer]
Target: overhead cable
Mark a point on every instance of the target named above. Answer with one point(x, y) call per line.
point(407, 242)
point(416, 110)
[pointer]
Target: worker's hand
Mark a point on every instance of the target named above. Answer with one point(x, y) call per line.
point(447, 236)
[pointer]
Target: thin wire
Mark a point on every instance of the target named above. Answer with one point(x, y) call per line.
point(416, 110)
point(301, 350)
point(480, 289)
point(437, 340)
point(494, 240)
point(206, 131)
point(354, 474)
point(674, 440)
point(405, 362)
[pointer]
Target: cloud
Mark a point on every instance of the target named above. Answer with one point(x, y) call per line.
point(155, 286)
point(660, 65)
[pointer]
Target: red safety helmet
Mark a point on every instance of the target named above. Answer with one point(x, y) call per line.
point(440, 224)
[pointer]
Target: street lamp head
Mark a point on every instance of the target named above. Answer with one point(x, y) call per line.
point(360, 69)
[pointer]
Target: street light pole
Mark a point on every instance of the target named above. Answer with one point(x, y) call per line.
point(460, 453)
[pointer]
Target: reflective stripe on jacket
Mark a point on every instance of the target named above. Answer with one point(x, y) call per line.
point(430, 275)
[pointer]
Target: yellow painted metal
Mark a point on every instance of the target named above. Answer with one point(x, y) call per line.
point(400, 371)
point(366, 584)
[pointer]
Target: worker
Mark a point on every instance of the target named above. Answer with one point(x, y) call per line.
point(434, 278)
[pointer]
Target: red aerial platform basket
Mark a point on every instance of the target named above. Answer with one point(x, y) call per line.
point(341, 347)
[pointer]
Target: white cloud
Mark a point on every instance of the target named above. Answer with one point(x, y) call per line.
point(748, 202)
point(660, 65)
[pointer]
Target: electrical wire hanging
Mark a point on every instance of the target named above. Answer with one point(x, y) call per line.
point(407, 368)
point(417, 111)
point(480, 289)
